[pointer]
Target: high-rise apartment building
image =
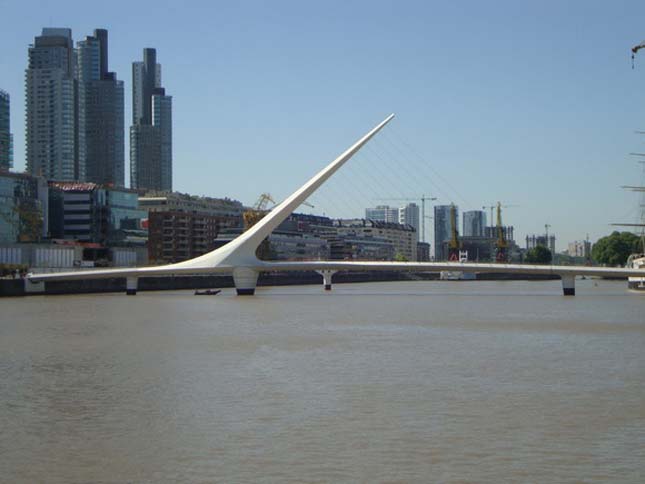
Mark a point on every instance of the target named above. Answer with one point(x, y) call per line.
point(151, 130)
point(6, 138)
point(382, 213)
point(474, 223)
point(101, 157)
point(442, 229)
point(409, 215)
point(51, 148)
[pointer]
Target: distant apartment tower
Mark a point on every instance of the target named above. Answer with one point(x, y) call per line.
point(409, 215)
point(101, 157)
point(6, 138)
point(442, 229)
point(533, 241)
point(474, 223)
point(151, 130)
point(382, 213)
point(51, 106)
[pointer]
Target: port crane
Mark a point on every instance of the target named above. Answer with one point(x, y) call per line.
point(453, 244)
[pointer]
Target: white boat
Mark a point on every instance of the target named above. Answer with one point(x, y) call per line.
point(636, 261)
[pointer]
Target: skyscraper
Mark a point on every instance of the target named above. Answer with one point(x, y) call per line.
point(442, 229)
point(474, 223)
point(6, 138)
point(101, 157)
point(151, 130)
point(51, 106)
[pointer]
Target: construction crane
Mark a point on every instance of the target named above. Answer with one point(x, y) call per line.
point(423, 200)
point(259, 210)
point(635, 49)
point(501, 244)
point(453, 244)
point(493, 207)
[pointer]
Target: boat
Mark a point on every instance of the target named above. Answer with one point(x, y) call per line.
point(207, 292)
point(636, 261)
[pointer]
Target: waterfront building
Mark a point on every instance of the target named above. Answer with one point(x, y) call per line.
point(442, 230)
point(51, 149)
point(409, 215)
point(6, 138)
point(474, 222)
point(229, 211)
point(91, 213)
point(101, 156)
point(402, 238)
point(383, 213)
point(183, 226)
point(151, 130)
point(23, 208)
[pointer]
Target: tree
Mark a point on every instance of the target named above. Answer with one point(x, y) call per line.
point(399, 257)
point(538, 255)
point(614, 249)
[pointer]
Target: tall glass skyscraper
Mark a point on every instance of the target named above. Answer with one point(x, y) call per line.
point(442, 229)
point(151, 130)
point(474, 223)
point(6, 138)
point(51, 106)
point(101, 145)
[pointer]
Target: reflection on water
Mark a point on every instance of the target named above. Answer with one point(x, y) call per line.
point(404, 382)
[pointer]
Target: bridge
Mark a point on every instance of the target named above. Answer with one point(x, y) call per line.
point(238, 256)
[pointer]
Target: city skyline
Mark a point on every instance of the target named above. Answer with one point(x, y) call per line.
point(545, 123)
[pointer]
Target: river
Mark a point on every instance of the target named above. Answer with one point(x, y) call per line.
point(382, 382)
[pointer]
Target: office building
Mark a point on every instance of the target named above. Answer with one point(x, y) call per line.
point(6, 138)
point(443, 230)
point(151, 130)
point(51, 106)
point(101, 157)
point(474, 222)
point(90, 213)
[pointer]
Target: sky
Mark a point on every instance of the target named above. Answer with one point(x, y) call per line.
point(534, 104)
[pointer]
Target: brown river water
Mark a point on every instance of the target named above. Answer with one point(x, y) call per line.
point(446, 382)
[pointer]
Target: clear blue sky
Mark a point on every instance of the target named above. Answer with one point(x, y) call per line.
point(531, 103)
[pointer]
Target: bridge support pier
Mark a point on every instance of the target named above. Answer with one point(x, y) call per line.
point(327, 275)
point(131, 284)
point(568, 284)
point(245, 280)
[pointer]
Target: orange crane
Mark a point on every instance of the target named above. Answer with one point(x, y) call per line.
point(453, 244)
point(259, 210)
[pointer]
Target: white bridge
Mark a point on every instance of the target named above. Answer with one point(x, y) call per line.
point(238, 256)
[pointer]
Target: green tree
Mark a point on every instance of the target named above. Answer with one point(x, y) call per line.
point(399, 257)
point(614, 249)
point(538, 255)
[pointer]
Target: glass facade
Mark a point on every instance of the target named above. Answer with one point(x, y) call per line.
point(6, 138)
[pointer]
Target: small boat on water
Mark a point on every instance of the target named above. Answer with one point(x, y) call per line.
point(636, 261)
point(207, 292)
